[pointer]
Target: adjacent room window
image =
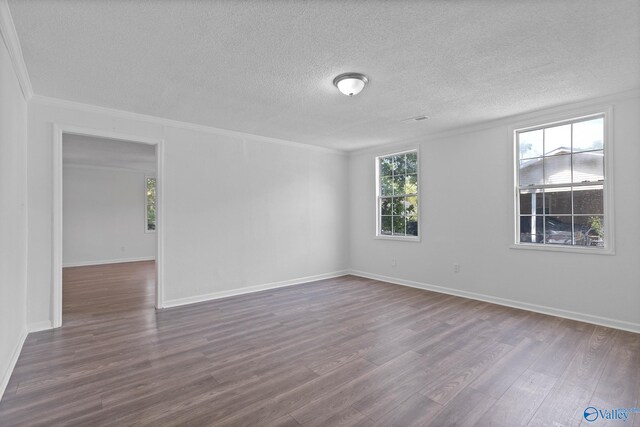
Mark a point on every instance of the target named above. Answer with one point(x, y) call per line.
point(561, 184)
point(397, 190)
point(150, 205)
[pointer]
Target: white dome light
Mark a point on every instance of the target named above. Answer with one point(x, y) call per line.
point(350, 83)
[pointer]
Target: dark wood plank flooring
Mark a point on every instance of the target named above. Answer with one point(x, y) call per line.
point(346, 351)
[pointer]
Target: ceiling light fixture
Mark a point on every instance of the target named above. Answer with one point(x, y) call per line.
point(350, 83)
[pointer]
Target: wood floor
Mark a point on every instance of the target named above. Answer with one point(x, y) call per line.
point(346, 351)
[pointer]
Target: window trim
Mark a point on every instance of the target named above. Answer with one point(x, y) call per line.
point(377, 235)
point(146, 229)
point(608, 187)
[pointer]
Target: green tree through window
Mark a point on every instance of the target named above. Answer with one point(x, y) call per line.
point(398, 194)
point(150, 213)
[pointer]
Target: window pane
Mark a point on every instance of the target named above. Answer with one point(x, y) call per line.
point(530, 144)
point(386, 186)
point(588, 166)
point(411, 207)
point(589, 230)
point(397, 164)
point(385, 206)
point(402, 164)
point(530, 172)
point(386, 166)
point(557, 201)
point(151, 213)
point(412, 227)
point(398, 206)
point(151, 190)
point(398, 184)
point(151, 217)
point(530, 199)
point(558, 230)
point(412, 162)
point(530, 230)
point(411, 184)
point(588, 200)
point(588, 135)
point(398, 225)
point(385, 225)
point(557, 169)
point(557, 140)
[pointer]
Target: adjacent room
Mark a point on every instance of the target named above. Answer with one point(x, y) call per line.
point(319, 213)
point(109, 227)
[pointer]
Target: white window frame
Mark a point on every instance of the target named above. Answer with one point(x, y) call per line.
point(146, 222)
point(608, 221)
point(377, 234)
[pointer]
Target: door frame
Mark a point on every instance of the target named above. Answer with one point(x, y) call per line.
point(58, 134)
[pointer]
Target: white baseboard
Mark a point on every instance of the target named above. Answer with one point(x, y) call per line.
point(107, 261)
point(250, 289)
point(12, 362)
point(39, 326)
point(581, 317)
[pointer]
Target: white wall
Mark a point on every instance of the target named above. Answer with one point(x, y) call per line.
point(467, 218)
point(13, 220)
point(240, 210)
point(104, 216)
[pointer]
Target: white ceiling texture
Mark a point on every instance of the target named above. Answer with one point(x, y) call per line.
point(266, 67)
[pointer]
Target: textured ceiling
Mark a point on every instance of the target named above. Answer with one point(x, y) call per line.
point(102, 152)
point(267, 67)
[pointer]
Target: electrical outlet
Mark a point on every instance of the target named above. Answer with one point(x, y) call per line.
point(122, 248)
point(456, 268)
point(393, 262)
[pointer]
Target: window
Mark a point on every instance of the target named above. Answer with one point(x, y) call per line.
point(150, 205)
point(397, 195)
point(561, 184)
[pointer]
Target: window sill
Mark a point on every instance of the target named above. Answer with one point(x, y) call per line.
point(561, 248)
point(398, 238)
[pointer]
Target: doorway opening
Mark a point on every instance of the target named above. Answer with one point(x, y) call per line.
point(107, 225)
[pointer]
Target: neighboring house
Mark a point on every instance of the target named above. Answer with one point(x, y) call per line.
point(557, 214)
point(588, 166)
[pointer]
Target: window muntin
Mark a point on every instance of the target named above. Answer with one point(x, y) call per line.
point(397, 195)
point(560, 174)
point(150, 205)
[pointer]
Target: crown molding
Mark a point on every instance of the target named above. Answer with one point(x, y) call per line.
point(10, 37)
point(503, 121)
point(73, 105)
